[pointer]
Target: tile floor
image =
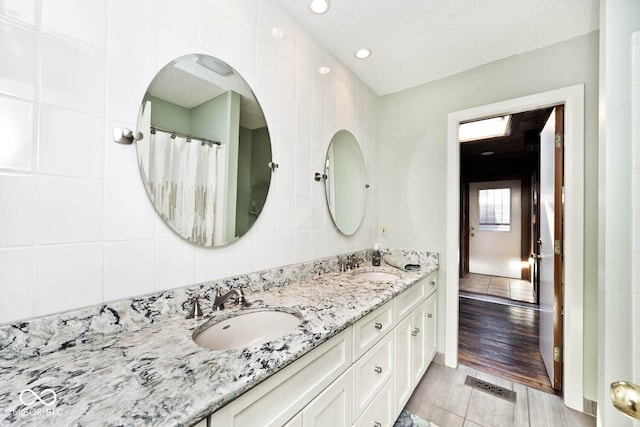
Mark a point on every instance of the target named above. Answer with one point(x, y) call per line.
point(504, 287)
point(443, 398)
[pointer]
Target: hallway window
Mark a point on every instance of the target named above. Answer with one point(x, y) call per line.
point(495, 209)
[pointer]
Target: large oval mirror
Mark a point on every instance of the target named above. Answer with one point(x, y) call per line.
point(345, 182)
point(206, 152)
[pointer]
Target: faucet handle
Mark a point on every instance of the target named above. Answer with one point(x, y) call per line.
point(238, 297)
point(196, 311)
point(218, 302)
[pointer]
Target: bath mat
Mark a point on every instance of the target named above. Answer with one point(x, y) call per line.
point(407, 419)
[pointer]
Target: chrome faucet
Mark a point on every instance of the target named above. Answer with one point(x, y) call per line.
point(354, 262)
point(358, 259)
point(235, 293)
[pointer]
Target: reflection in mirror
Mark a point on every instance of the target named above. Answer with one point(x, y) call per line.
point(345, 182)
point(205, 152)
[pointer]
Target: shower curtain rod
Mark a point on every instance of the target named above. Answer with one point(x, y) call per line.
point(184, 135)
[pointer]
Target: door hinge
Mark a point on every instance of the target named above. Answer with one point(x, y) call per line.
point(557, 354)
point(558, 140)
point(557, 247)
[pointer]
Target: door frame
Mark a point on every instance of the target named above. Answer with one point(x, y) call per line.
point(573, 348)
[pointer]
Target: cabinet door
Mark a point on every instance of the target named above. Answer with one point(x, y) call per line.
point(432, 326)
point(403, 362)
point(419, 343)
point(332, 407)
point(381, 411)
point(295, 421)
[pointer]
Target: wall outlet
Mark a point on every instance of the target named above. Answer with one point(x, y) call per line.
point(384, 231)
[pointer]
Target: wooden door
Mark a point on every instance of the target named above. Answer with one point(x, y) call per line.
point(550, 245)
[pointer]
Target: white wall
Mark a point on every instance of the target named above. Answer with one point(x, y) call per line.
point(76, 227)
point(413, 143)
point(619, 19)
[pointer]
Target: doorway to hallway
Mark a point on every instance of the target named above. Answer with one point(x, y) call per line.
point(507, 222)
point(573, 248)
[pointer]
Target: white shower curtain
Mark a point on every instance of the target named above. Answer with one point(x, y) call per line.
point(182, 180)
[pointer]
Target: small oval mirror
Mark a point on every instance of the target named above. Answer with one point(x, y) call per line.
point(205, 153)
point(345, 182)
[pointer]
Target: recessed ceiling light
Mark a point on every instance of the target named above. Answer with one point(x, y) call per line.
point(319, 6)
point(324, 70)
point(277, 32)
point(363, 53)
point(487, 153)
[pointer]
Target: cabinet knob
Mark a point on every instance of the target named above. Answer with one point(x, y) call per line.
point(415, 331)
point(429, 315)
point(432, 283)
point(378, 369)
point(378, 325)
point(377, 424)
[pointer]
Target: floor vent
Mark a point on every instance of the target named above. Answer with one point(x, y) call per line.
point(501, 392)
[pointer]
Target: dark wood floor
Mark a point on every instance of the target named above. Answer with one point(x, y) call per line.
point(502, 340)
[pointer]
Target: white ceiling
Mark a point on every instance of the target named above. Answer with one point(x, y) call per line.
point(416, 41)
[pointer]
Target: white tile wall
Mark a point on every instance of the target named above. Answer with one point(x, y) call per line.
point(17, 278)
point(17, 210)
point(76, 226)
point(81, 21)
point(68, 210)
point(68, 276)
point(128, 268)
point(72, 76)
point(23, 11)
point(635, 186)
point(70, 143)
point(18, 135)
point(18, 75)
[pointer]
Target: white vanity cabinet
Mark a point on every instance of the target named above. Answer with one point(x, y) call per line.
point(279, 398)
point(415, 335)
point(361, 377)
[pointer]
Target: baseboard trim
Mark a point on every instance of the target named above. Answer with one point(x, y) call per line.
point(590, 407)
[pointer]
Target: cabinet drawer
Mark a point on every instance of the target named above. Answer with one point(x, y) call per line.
point(277, 399)
point(381, 411)
point(371, 372)
point(409, 299)
point(368, 330)
point(431, 282)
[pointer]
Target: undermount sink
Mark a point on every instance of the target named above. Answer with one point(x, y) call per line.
point(377, 276)
point(247, 330)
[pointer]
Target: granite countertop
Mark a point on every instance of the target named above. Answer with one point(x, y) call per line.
point(157, 375)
